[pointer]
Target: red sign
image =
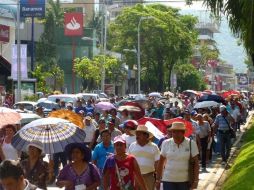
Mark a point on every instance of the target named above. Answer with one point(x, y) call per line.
point(73, 24)
point(4, 33)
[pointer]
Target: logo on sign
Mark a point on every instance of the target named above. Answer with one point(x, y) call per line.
point(73, 24)
point(4, 33)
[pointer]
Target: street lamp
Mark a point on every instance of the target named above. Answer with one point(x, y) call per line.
point(138, 52)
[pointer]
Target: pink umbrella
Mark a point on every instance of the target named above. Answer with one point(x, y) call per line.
point(104, 106)
point(8, 116)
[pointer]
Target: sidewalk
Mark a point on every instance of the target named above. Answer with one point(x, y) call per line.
point(208, 180)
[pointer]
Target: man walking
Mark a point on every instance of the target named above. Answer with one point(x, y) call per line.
point(147, 155)
point(222, 123)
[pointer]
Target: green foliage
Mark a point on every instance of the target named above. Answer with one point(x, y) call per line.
point(240, 14)
point(41, 76)
point(188, 77)
point(241, 173)
point(208, 54)
point(90, 70)
point(32, 98)
point(166, 38)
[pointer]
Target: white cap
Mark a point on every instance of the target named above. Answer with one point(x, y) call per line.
point(222, 108)
point(36, 144)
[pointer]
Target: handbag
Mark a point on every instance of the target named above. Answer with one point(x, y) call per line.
point(231, 131)
point(191, 168)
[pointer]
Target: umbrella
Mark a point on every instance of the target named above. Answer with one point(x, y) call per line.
point(168, 93)
point(28, 117)
point(136, 106)
point(229, 93)
point(104, 106)
point(206, 104)
point(188, 125)
point(8, 116)
point(68, 115)
point(215, 98)
point(54, 133)
point(129, 108)
point(190, 92)
point(155, 94)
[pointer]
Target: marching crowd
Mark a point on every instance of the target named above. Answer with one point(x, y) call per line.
point(118, 153)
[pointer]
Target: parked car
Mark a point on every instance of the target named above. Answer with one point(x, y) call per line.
point(87, 96)
point(47, 106)
point(28, 105)
point(73, 98)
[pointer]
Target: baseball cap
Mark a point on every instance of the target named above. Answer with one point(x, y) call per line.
point(119, 139)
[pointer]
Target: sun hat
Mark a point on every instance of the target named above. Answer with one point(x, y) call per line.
point(36, 144)
point(143, 128)
point(178, 126)
point(88, 118)
point(82, 146)
point(119, 139)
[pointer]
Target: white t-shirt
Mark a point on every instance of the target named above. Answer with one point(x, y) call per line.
point(177, 159)
point(129, 139)
point(146, 156)
point(10, 153)
point(89, 130)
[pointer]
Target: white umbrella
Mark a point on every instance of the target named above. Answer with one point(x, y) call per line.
point(206, 104)
point(168, 93)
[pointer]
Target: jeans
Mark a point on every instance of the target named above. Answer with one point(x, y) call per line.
point(225, 142)
point(204, 144)
point(56, 158)
point(176, 185)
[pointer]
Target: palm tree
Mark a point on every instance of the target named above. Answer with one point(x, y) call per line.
point(240, 14)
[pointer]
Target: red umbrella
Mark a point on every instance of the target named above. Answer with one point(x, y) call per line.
point(159, 123)
point(229, 93)
point(188, 125)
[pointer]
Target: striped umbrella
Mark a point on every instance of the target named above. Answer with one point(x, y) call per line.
point(54, 133)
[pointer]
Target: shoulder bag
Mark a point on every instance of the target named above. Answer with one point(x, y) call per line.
point(231, 131)
point(191, 168)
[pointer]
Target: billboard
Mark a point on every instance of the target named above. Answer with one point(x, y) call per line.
point(4, 33)
point(73, 24)
point(242, 80)
point(23, 62)
point(32, 8)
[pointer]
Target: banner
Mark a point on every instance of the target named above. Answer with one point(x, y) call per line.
point(73, 24)
point(32, 8)
point(23, 62)
point(4, 33)
point(242, 80)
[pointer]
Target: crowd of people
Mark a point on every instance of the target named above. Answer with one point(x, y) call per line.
point(118, 153)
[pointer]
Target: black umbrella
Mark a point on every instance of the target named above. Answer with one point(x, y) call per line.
point(211, 97)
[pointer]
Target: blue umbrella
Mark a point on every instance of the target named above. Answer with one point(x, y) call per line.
point(212, 97)
point(54, 133)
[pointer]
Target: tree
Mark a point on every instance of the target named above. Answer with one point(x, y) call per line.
point(41, 76)
point(240, 14)
point(166, 39)
point(188, 77)
point(90, 70)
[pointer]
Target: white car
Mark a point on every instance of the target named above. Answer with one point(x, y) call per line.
point(28, 105)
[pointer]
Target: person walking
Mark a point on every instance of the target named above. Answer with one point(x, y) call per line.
point(102, 150)
point(222, 124)
point(147, 154)
point(35, 169)
point(204, 135)
point(121, 170)
point(13, 178)
point(173, 166)
point(79, 173)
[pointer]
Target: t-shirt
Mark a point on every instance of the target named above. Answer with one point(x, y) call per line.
point(125, 172)
point(100, 154)
point(89, 130)
point(177, 159)
point(204, 129)
point(146, 156)
point(88, 177)
point(129, 139)
point(221, 122)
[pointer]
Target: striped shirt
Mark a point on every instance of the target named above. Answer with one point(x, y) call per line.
point(146, 156)
point(221, 122)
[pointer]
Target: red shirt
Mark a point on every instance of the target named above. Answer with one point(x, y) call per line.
point(126, 172)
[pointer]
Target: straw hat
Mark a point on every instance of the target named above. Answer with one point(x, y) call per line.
point(178, 126)
point(143, 128)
